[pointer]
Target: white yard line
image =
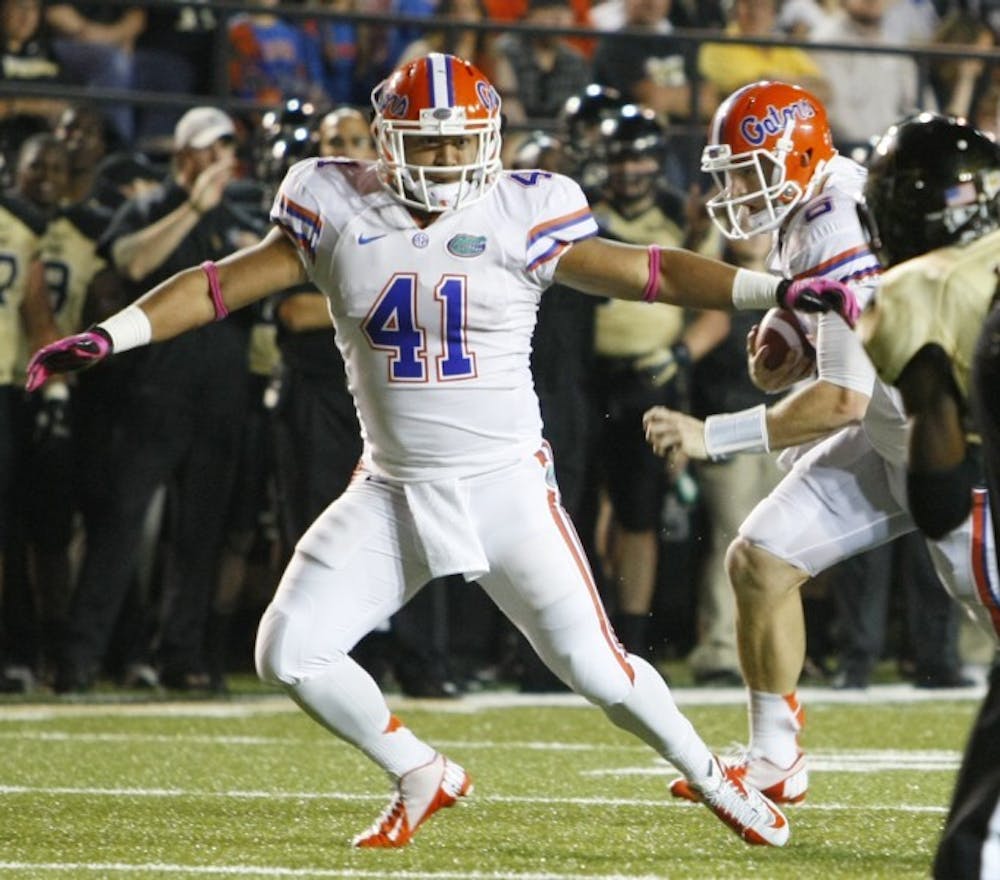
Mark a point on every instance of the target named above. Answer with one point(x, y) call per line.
point(237, 794)
point(820, 760)
point(194, 739)
point(244, 707)
point(278, 871)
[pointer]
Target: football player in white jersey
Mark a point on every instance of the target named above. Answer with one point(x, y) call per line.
point(433, 260)
point(844, 434)
point(931, 330)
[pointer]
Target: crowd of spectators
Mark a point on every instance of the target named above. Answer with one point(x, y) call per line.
point(149, 504)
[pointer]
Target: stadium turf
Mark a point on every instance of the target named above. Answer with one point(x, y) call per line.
point(249, 787)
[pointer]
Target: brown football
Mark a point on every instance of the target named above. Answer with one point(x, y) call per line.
point(781, 330)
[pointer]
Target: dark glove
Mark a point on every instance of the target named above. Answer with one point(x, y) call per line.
point(67, 355)
point(820, 295)
point(52, 421)
point(664, 366)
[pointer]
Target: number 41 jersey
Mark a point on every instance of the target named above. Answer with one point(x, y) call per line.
point(434, 323)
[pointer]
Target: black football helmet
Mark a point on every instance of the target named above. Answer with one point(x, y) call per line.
point(541, 150)
point(932, 181)
point(635, 148)
point(633, 131)
point(287, 135)
point(583, 113)
point(581, 119)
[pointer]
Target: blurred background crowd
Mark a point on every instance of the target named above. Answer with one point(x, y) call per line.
point(149, 505)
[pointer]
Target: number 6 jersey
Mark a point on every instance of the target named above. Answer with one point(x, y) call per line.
point(435, 323)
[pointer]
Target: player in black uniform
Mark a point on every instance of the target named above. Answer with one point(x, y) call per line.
point(933, 331)
point(25, 322)
point(643, 354)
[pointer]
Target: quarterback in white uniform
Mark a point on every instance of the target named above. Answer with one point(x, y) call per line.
point(844, 435)
point(433, 260)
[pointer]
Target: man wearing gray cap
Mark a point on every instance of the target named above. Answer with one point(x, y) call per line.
point(182, 422)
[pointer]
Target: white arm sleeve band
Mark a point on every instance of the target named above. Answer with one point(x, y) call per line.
point(129, 328)
point(840, 357)
point(743, 431)
point(754, 290)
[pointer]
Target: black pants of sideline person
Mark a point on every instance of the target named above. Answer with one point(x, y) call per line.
point(194, 452)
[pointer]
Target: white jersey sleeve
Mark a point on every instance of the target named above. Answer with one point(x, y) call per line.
point(564, 218)
point(825, 238)
point(316, 202)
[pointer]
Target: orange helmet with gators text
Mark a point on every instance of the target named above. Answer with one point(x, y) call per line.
point(767, 144)
point(436, 96)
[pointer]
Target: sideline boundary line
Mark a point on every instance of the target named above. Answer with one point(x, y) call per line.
point(278, 871)
point(467, 704)
point(351, 797)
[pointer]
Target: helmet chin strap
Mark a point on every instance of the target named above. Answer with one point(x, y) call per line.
point(439, 194)
point(755, 220)
point(445, 194)
point(777, 210)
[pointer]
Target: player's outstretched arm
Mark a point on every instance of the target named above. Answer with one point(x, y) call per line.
point(189, 299)
point(186, 301)
point(624, 271)
point(684, 278)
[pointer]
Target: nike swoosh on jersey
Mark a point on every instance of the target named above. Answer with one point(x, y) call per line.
point(368, 239)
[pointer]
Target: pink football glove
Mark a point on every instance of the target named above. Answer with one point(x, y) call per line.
point(820, 295)
point(67, 355)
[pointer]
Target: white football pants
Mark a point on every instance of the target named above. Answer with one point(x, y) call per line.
point(371, 562)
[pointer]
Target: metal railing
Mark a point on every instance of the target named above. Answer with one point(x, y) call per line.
point(224, 10)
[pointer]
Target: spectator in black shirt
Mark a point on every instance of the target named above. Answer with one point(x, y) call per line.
point(655, 69)
point(547, 70)
point(175, 53)
point(181, 426)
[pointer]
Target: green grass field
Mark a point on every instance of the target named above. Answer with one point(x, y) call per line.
point(249, 787)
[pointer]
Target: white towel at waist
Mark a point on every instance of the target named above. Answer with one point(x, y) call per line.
point(444, 526)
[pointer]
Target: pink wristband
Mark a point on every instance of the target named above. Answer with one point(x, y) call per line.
point(208, 267)
point(653, 284)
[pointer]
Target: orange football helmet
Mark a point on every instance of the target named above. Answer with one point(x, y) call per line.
point(767, 144)
point(436, 96)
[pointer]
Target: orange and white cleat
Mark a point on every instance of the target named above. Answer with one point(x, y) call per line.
point(419, 794)
point(783, 785)
point(752, 816)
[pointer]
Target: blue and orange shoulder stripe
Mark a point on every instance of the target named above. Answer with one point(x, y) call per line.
point(570, 227)
point(302, 224)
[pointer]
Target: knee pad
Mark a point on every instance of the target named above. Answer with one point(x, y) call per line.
point(600, 677)
point(286, 651)
point(268, 648)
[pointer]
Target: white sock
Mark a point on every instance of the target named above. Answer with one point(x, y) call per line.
point(346, 701)
point(651, 714)
point(775, 723)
